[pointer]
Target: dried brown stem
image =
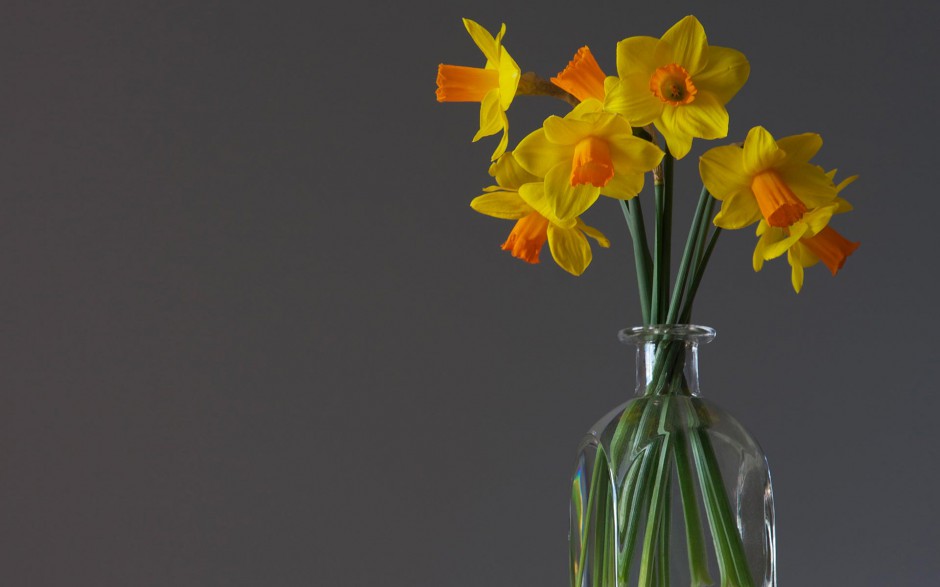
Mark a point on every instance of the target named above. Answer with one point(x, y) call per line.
point(531, 84)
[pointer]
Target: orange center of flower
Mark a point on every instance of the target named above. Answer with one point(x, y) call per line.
point(527, 237)
point(776, 200)
point(673, 85)
point(456, 83)
point(583, 78)
point(831, 247)
point(591, 163)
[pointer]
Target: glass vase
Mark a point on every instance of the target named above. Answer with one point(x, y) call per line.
point(669, 489)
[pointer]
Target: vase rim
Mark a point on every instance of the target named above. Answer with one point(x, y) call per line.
point(692, 333)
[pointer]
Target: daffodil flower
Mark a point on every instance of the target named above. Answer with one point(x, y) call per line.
point(677, 82)
point(583, 78)
point(768, 179)
point(493, 85)
point(520, 196)
point(807, 241)
point(586, 154)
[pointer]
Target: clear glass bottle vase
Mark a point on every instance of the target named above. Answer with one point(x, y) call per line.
point(668, 489)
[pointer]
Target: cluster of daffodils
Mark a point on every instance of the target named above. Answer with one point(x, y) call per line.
point(675, 87)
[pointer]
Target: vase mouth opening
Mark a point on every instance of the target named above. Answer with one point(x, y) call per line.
point(691, 333)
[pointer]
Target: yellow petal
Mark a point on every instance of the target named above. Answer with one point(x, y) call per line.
point(678, 142)
point(842, 205)
point(817, 219)
point(586, 110)
point(799, 257)
point(509, 173)
point(503, 204)
point(533, 194)
point(763, 227)
point(722, 171)
point(688, 43)
point(704, 118)
point(504, 140)
point(595, 234)
point(810, 184)
point(803, 255)
point(483, 39)
point(636, 55)
point(632, 98)
point(537, 155)
point(757, 258)
point(760, 151)
point(768, 235)
point(568, 201)
point(724, 73)
point(491, 121)
point(624, 185)
point(509, 75)
point(633, 154)
point(775, 248)
point(570, 249)
point(612, 127)
point(800, 148)
point(845, 183)
point(796, 272)
point(737, 211)
point(565, 131)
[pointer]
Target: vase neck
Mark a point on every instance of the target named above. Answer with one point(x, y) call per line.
point(667, 358)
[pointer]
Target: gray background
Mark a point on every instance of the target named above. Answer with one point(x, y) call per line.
point(252, 334)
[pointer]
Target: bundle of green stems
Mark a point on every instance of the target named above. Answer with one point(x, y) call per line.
point(662, 431)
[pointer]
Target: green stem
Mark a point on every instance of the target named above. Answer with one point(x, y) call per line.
point(686, 265)
point(662, 190)
point(600, 463)
point(633, 214)
point(634, 495)
point(666, 257)
point(603, 545)
point(694, 536)
point(659, 496)
point(664, 524)
point(697, 279)
point(732, 560)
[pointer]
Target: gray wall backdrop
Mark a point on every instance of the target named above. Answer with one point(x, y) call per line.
point(252, 333)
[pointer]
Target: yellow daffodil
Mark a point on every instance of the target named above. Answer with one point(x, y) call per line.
point(494, 85)
point(677, 82)
point(586, 154)
point(583, 78)
point(807, 241)
point(520, 196)
point(766, 178)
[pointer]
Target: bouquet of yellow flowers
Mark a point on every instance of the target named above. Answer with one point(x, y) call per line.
point(667, 92)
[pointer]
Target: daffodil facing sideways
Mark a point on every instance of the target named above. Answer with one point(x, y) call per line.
point(678, 82)
point(493, 85)
point(807, 241)
point(584, 155)
point(520, 196)
point(767, 178)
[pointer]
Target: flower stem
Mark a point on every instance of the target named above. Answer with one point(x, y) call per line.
point(531, 84)
point(732, 561)
point(697, 278)
point(682, 275)
point(661, 239)
point(600, 466)
point(694, 537)
point(633, 214)
point(658, 497)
